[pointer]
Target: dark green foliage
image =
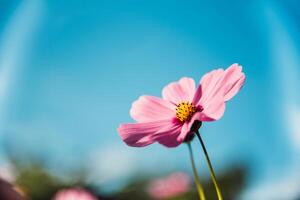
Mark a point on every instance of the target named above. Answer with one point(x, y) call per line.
point(232, 183)
point(37, 183)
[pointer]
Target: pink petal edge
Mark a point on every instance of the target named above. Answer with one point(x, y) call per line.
point(177, 92)
point(215, 88)
point(143, 134)
point(150, 108)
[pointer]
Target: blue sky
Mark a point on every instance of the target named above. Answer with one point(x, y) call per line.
point(69, 72)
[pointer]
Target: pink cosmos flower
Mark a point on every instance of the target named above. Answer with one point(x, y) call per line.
point(74, 194)
point(168, 120)
point(171, 186)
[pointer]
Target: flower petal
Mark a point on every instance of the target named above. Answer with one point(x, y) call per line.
point(233, 80)
point(212, 110)
point(150, 108)
point(184, 131)
point(209, 86)
point(177, 92)
point(219, 82)
point(143, 134)
point(169, 137)
point(188, 86)
point(197, 96)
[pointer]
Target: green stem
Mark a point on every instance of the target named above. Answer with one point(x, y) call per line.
point(211, 170)
point(196, 177)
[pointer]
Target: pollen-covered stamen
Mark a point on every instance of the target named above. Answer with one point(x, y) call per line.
point(185, 111)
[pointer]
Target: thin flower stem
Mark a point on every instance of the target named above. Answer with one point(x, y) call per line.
point(195, 173)
point(211, 170)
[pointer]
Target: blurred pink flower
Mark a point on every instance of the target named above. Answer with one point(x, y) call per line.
point(74, 194)
point(171, 186)
point(168, 120)
point(8, 173)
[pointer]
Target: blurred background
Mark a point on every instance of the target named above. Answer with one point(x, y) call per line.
point(69, 71)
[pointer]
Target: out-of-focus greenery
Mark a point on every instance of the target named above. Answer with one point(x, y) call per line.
point(38, 184)
point(232, 183)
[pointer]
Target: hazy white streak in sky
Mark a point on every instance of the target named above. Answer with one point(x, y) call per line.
point(285, 62)
point(15, 42)
point(285, 58)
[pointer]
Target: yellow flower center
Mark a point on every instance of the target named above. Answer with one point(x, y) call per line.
point(185, 111)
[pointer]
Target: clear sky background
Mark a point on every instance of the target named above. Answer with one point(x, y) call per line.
point(69, 71)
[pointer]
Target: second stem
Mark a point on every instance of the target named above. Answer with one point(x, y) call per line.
point(211, 170)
